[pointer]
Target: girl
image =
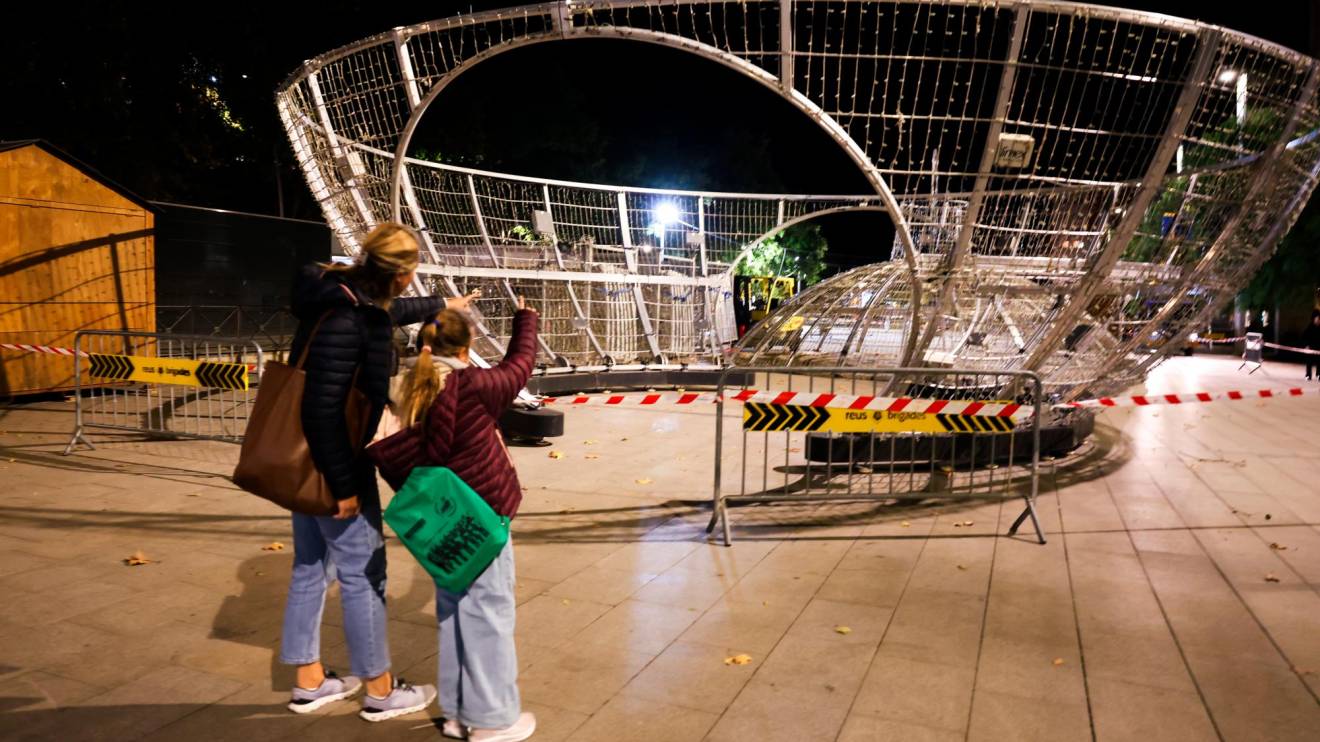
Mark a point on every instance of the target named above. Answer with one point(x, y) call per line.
point(460, 404)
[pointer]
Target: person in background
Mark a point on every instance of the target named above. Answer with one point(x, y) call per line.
point(1311, 340)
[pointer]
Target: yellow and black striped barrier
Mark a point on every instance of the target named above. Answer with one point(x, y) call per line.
point(776, 417)
point(212, 374)
point(764, 417)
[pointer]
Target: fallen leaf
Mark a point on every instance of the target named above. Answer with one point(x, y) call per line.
point(592, 456)
point(624, 440)
point(1278, 547)
point(556, 454)
point(738, 659)
point(1271, 577)
point(962, 523)
point(963, 567)
point(565, 601)
point(1058, 661)
point(261, 574)
point(590, 442)
point(905, 524)
point(644, 480)
point(842, 630)
point(794, 450)
point(137, 559)
point(273, 546)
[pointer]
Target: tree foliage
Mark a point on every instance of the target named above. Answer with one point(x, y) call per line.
point(796, 251)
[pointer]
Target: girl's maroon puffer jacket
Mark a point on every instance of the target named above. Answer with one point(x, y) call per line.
point(462, 431)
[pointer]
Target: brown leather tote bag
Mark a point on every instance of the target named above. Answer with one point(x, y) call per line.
point(275, 462)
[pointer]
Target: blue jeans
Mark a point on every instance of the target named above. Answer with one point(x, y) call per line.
point(354, 551)
point(478, 682)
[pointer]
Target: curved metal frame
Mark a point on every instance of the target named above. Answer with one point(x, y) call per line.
point(1097, 275)
point(811, 110)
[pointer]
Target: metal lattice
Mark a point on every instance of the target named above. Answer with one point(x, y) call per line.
point(1072, 186)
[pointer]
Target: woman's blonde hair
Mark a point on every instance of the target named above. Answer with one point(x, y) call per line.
point(388, 251)
point(447, 334)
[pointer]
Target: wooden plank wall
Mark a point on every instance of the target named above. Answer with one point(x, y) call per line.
point(74, 255)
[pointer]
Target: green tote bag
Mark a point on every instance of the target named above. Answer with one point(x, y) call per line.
point(447, 526)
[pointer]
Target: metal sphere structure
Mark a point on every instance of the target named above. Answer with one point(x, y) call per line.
point(1071, 185)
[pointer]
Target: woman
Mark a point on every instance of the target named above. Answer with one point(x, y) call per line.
point(357, 309)
point(461, 406)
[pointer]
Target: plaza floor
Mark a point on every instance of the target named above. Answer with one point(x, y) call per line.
point(1178, 597)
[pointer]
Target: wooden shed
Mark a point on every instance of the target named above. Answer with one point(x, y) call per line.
point(77, 252)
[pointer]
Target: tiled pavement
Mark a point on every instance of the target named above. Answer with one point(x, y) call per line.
point(1148, 616)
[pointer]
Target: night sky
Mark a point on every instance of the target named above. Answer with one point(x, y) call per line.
point(182, 109)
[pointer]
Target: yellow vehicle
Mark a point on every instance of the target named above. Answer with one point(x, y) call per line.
point(755, 297)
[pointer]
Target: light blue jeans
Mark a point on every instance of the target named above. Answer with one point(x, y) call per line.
point(352, 550)
point(478, 682)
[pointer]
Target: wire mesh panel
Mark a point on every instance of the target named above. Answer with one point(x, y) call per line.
point(1074, 187)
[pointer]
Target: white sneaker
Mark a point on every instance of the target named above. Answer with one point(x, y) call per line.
point(523, 728)
point(453, 729)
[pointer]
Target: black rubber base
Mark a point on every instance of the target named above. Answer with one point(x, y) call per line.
point(523, 427)
point(959, 450)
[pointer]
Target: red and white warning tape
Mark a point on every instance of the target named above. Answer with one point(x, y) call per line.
point(811, 399)
point(909, 404)
point(1306, 351)
point(42, 349)
point(1143, 400)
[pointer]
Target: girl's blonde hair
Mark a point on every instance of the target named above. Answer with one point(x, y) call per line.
point(447, 334)
point(388, 251)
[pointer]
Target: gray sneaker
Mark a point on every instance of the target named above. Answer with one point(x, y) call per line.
point(333, 688)
point(404, 699)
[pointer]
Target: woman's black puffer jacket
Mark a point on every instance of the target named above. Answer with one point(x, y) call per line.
point(356, 333)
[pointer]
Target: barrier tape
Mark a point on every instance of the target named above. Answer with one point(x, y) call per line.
point(41, 349)
point(1305, 351)
point(813, 399)
point(964, 408)
point(1219, 341)
point(1143, 400)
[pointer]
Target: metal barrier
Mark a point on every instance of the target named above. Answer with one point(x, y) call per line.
point(162, 384)
point(878, 448)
